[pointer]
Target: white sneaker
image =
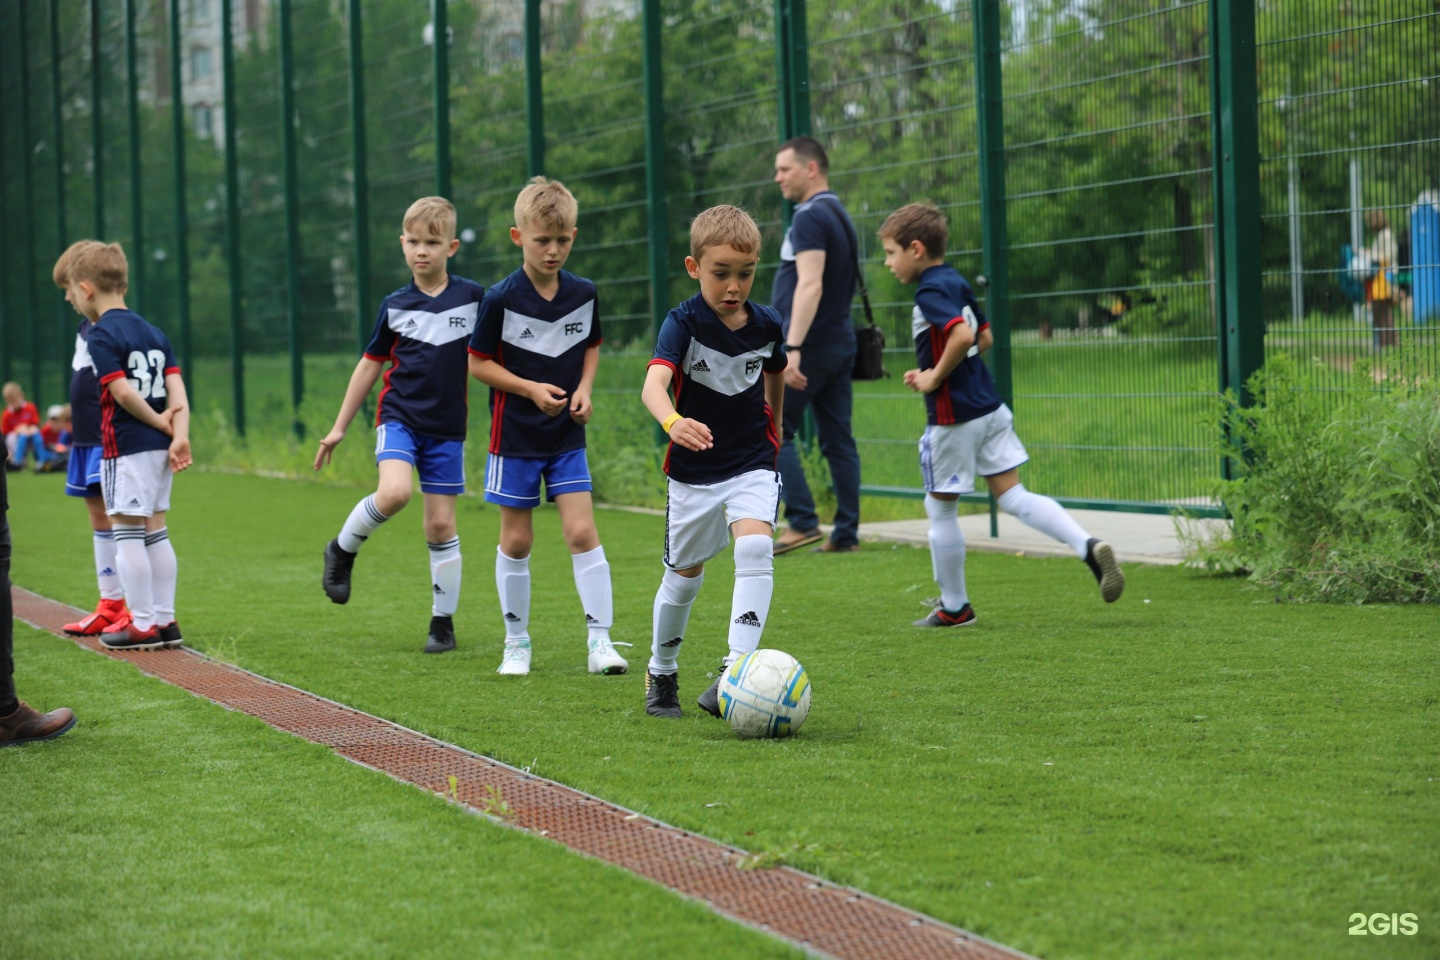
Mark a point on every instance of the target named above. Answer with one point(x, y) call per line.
point(604, 659)
point(517, 659)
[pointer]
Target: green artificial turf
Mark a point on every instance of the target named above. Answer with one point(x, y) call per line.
point(1194, 771)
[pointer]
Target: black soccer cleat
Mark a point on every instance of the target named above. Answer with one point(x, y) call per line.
point(170, 635)
point(940, 617)
point(338, 564)
point(662, 694)
point(709, 701)
point(1100, 558)
point(442, 635)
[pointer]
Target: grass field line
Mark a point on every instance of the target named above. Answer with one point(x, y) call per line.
point(813, 914)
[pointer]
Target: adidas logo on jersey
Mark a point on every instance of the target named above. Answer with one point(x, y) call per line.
point(528, 334)
point(511, 618)
point(409, 324)
point(748, 619)
point(673, 643)
point(700, 366)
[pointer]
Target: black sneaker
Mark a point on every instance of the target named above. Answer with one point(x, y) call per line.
point(338, 564)
point(442, 635)
point(709, 701)
point(1100, 558)
point(940, 617)
point(662, 694)
point(170, 634)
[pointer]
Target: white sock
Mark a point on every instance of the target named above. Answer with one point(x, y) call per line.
point(947, 552)
point(1045, 515)
point(592, 582)
point(671, 616)
point(106, 574)
point(512, 582)
point(132, 561)
point(164, 572)
point(754, 586)
point(445, 576)
point(363, 521)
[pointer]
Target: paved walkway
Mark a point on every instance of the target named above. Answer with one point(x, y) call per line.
point(1136, 537)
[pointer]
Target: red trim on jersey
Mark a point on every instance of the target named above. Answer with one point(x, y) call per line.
point(170, 370)
point(950, 323)
point(476, 353)
point(380, 403)
point(371, 356)
point(944, 408)
point(115, 375)
point(497, 416)
point(770, 431)
point(109, 450)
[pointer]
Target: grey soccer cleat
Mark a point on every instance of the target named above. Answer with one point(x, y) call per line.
point(1100, 558)
point(442, 635)
point(338, 565)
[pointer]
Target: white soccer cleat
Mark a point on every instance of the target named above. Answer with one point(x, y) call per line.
point(604, 659)
point(517, 659)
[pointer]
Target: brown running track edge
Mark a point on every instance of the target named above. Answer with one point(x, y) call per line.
point(818, 916)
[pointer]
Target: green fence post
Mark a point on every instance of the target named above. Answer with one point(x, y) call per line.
point(534, 89)
point(132, 93)
point(27, 152)
point(97, 121)
point(799, 54)
point(182, 217)
point(6, 317)
point(994, 226)
point(1237, 193)
point(360, 173)
point(441, 38)
point(292, 207)
point(57, 134)
point(232, 212)
point(658, 216)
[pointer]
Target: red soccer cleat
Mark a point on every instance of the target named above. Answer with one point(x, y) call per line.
point(109, 614)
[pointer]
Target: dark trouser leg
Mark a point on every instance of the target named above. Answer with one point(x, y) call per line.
point(799, 504)
point(7, 627)
point(833, 405)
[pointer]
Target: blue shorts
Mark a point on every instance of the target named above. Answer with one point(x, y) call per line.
point(82, 479)
point(515, 481)
point(440, 463)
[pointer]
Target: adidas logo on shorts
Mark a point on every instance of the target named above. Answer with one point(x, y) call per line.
point(673, 643)
point(748, 619)
point(133, 503)
point(700, 366)
point(511, 618)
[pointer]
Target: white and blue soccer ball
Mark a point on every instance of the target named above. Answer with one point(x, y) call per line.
point(765, 693)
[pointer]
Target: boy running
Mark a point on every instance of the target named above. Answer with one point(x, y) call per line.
point(969, 430)
point(144, 441)
point(715, 349)
point(420, 421)
point(537, 346)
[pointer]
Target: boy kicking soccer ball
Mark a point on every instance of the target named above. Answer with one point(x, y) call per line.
point(724, 357)
point(968, 430)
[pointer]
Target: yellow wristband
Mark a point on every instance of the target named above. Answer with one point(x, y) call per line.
point(669, 422)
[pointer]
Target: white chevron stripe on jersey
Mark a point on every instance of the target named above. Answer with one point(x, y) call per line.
point(81, 360)
point(549, 338)
point(919, 325)
point(436, 329)
point(721, 372)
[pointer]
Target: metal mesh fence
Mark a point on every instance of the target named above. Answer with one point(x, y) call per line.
point(1114, 352)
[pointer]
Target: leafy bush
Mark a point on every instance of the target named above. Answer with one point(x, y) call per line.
point(1337, 498)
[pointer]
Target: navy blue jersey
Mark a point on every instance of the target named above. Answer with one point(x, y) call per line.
point(540, 340)
point(942, 300)
point(717, 381)
point(423, 339)
point(84, 390)
point(123, 344)
point(820, 224)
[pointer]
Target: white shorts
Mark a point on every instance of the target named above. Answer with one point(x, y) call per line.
point(698, 516)
point(137, 484)
point(952, 455)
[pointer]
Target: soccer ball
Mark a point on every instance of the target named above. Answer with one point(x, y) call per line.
point(765, 693)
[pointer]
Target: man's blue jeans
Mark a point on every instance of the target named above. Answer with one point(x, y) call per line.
point(830, 395)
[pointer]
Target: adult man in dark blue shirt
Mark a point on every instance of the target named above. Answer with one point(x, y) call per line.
point(813, 290)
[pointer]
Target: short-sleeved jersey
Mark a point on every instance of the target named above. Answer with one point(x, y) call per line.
point(820, 223)
point(717, 381)
point(540, 340)
point(84, 390)
point(942, 300)
point(123, 344)
point(423, 338)
point(16, 417)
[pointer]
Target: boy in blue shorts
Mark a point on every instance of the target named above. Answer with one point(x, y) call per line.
point(536, 347)
point(144, 441)
point(724, 357)
point(969, 430)
point(83, 477)
point(420, 422)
